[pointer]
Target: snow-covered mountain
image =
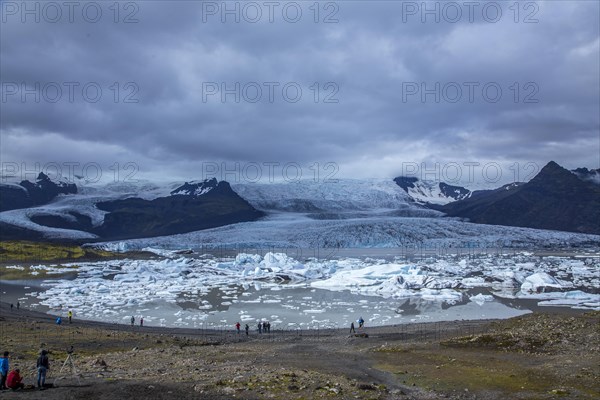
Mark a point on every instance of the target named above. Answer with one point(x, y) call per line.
point(431, 192)
point(195, 188)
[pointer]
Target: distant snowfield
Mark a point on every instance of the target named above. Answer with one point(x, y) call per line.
point(340, 195)
point(181, 291)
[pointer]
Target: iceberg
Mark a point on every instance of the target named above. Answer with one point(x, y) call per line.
point(540, 282)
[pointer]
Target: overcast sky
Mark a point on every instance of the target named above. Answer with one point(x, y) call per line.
point(367, 72)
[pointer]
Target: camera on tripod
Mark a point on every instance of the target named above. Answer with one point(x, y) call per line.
point(70, 350)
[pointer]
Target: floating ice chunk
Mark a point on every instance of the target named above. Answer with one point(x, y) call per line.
point(319, 311)
point(474, 282)
point(574, 299)
point(449, 296)
point(243, 258)
point(481, 298)
point(540, 282)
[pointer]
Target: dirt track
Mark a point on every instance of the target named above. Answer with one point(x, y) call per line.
point(537, 356)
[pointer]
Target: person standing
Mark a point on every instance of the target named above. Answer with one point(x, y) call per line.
point(43, 365)
point(142, 321)
point(237, 327)
point(352, 327)
point(247, 328)
point(18, 305)
point(3, 370)
point(132, 320)
point(260, 327)
point(70, 314)
point(361, 322)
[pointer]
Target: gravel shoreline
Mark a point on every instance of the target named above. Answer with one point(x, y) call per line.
point(537, 356)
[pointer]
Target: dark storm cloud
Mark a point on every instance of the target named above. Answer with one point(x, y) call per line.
point(377, 52)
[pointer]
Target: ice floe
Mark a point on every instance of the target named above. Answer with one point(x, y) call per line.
point(247, 281)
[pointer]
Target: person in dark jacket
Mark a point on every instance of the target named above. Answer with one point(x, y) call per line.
point(14, 380)
point(43, 365)
point(3, 370)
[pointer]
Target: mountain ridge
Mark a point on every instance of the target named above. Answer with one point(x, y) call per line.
point(555, 199)
point(28, 194)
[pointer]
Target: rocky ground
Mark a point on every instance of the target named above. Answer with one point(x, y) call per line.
point(538, 356)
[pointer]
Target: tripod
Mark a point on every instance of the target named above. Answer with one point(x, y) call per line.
point(70, 363)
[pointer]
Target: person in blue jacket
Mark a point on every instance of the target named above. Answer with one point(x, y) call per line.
point(3, 370)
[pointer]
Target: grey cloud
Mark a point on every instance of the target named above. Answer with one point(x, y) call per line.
point(369, 55)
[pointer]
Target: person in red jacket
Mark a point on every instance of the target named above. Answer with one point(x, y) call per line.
point(13, 381)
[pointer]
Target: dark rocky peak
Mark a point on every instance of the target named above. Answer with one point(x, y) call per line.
point(406, 182)
point(37, 193)
point(43, 177)
point(455, 192)
point(554, 178)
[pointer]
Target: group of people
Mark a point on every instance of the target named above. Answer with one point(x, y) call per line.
point(132, 320)
point(262, 327)
point(13, 379)
point(265, 326)
point(12, 305)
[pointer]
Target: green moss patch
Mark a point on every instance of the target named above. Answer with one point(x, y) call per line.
point(22, 251)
